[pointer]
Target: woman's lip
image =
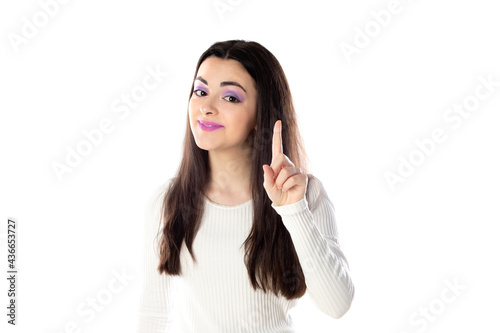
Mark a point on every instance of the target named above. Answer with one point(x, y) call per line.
point(208, 128)
point(209, 123)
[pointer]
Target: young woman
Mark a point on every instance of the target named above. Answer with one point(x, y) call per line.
point(242, 231)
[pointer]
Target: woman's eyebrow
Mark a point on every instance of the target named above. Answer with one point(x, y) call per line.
point(223, 83)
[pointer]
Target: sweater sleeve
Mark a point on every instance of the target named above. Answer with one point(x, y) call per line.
point(158, 291)
point(314, 235)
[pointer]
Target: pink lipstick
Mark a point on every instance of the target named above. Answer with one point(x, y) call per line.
point(209, 126)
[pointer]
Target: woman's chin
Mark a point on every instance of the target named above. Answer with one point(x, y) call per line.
point(203, 144)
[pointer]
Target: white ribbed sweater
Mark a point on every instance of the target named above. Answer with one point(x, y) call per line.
point(215, 294)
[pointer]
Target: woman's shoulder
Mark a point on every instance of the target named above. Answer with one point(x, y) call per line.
point(154, 207)
point(316, 191)
point(156, 197)
point(161, 188)
point(314, 186)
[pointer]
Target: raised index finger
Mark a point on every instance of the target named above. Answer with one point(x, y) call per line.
point(277, 142)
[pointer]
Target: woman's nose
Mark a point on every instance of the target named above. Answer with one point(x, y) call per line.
point(208, 105)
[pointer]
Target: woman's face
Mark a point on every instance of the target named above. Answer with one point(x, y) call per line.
point(224, 93)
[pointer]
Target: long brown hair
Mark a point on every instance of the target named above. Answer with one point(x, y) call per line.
point(269, 251)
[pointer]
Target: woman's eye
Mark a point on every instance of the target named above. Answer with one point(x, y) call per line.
point(199, 92)
point(231, 99)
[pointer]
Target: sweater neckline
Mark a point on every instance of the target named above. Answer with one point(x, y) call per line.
point(211, 203)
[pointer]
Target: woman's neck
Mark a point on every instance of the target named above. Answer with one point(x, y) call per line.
point(229, 172)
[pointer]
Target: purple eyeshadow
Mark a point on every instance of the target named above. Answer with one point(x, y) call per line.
point(227, 93)
point(235, 94)
point(199, 88)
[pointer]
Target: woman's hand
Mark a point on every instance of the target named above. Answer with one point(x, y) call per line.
point(284, 183)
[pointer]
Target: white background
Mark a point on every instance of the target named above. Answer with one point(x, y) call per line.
point(356, 117)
